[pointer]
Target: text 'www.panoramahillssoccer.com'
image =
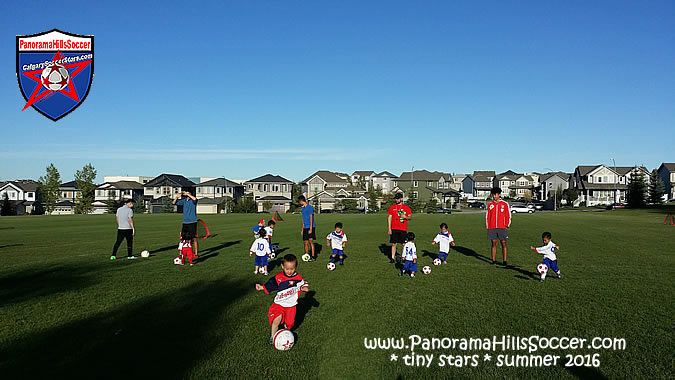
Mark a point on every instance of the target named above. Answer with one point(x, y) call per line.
point(499, 351)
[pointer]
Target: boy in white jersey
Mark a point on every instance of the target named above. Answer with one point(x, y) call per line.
point(410, 256)
point(337, 240)
point(261, 248)
point(444, 240)
point(548, 250)
point(269, 230)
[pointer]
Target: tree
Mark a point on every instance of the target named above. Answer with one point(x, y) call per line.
point(637, 190)
point(413, 202)
point(49, 188)
point(85, 185)
point(656, 188)
point(350, 205)
point(373, 196)
point(387, 201)
point(512, 193)
point(571, 195)
point(139, 205)
point(246, 204)
point(267, 205)
point(6, 209)
point(111, 204)
point(528, 195)
point(558, 195)
point(227, 204)
point(296, 191)
point(431, 206)
point(167, 205)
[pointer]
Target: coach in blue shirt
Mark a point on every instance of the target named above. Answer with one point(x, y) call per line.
point(308, 224)
point(189, 203)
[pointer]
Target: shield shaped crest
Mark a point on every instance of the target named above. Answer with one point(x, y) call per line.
point(55, 70)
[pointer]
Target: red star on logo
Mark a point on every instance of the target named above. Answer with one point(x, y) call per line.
point(69, 90)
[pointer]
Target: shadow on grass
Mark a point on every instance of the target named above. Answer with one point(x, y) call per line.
point(29, 284)
point(586, 373)
point(429, 254)
point(162, 336)
point(206, 251)
point(305, 304)
point(203, 258)
point(11, 245)
point(471, 253)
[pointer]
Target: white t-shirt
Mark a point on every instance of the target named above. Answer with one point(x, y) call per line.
point(336, 239)
point(409, 251)
point(260, 247)
point(444, 241)
point(270, 231)
point(548, 251)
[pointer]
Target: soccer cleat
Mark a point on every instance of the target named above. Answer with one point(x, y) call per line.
point(541, 280)
point(266, 273)
point(271, 340)
point(131, 257)
point(112, 257)
point(312, 259)
point(412, 275)
point(341, 263)
point(255, 272)
point(493, 262)
point(559, 276)
point(445, 262)
point(505, 264)
point(391, 261)
point(191, 264)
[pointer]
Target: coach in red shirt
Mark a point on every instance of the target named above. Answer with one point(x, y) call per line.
point(399, 215)
point(497, 220)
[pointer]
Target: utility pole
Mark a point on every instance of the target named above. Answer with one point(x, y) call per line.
point(615, 182)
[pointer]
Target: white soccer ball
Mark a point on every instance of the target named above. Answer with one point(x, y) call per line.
point(145, 254)
point(272, 255)
point(177, 261)
point(283, 340)
point(437, 261)
point(330, 266)
point(55, 77)
point(305, 257)
point(426, 269)
point(542, 268)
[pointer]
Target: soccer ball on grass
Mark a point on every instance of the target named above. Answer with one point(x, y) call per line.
point(542, 268)
point(305, 257)
point(283, 340)
point(426, 269)
point(437, 261)
point(330, 266)
point(145, 254)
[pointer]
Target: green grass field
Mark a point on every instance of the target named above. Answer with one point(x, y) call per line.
point(65, 309)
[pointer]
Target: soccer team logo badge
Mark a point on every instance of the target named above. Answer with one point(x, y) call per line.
point(55, 70)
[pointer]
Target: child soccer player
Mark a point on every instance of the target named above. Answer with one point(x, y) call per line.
point(337, 239)
point(185, 248)
point(257, 227)
point(288, 284)
point(548, 250)
point(269, 230)
point(410, 256)
point(261, 248)
point(444, 240)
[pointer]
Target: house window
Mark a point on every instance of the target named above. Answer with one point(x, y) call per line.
point(283, 187)
point(229, 190)
point(415, 184)
point(415, 194)
point(265, 187)
point(599, 179)
point(29, 195)
point(430, 183)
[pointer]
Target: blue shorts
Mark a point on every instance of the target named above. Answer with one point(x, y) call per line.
point(551, 264)
point(409, 266)
point(443, 256)
point(338, 252)
point(261, 261)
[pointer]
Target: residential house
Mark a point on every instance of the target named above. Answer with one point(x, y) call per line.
point(116, 191)
point(667, 174)
point(22, 194)
point(504, 181)
point(68, 191)
point(457, 180)
point(550, 183)
point(598, 185)
point(524, 186)
point(384, 180)
point(118, 178)
point(425, 185)
point(479, 184)
point(325, 190)
point(270, 188)
point(157, 190)
point(364, 177)
point(212, 193)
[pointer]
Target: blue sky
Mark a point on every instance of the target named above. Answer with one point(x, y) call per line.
point(240, 89)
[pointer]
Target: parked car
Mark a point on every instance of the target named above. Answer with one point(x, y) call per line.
point(538, 205)
point(477, 205)
point(440, 210)
point(615, 206)
point(521, 208)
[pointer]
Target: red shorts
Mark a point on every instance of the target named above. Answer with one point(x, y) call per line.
point(287, 314)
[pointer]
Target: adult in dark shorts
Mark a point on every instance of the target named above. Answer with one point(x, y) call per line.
point(189, 203)
point(398, 216)
point(125, 229)
point(497, 220)
point(308, 226)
